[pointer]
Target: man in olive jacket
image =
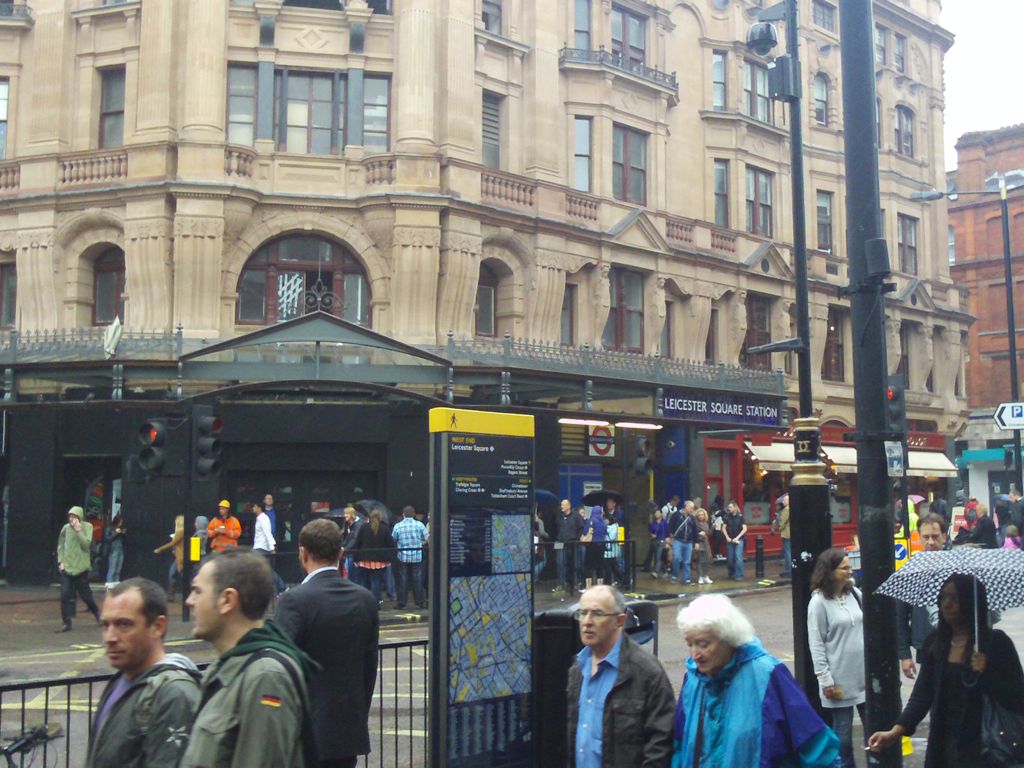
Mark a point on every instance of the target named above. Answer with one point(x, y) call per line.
point(145, 713)
point(73, 562)
point(621, 706)
point(252, 709)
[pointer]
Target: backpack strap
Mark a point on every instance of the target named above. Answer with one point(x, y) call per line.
point(309, 751)
point(147, 698)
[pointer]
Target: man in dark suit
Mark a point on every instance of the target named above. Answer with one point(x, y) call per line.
point(335, 622)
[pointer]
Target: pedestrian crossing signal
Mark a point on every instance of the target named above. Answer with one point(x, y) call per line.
point(153, 451)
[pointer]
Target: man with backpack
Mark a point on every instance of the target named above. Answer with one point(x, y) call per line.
point(683, 533)
point(253, 708)
point(146, 711)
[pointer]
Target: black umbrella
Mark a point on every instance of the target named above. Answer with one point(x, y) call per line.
point(366, 506)
point(600, 497)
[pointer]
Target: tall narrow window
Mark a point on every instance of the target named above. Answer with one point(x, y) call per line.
point(108, 287)
point(759, 201)
point(567, 336)
point(824, 15)
point(881, 46)
point(629, 32)
point(582, 149)
point(711, 341)
point(878, 122)
point(8, 295)
point(665, 348)
point(581, 24)
point(759, 331)
point(486, 295)
point(492, 129)
point(824, 221)
point(904, 131)
point(833, 366)
point(629, 165)
point(376, 108)
point(111, 107)
point(304, 104)
point(5, 95)
point(907, 244)
point(241, 104)
point(719, 94)
point(821, 99)
point(492, 16)
point(951, 245)
point(903, 367)
point(899, 53)
point(722, 193)
point(756, 102)
point(624, 329)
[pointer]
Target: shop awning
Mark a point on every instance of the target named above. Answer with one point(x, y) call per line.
point(929, 464)
point(777, 457)
point(843, 456)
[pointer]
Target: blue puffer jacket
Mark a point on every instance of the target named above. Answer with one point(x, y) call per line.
point(783, 731)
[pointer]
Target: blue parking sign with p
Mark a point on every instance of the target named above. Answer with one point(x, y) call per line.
point(1017, 411)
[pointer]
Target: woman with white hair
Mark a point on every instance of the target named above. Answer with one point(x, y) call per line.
point(739, 706)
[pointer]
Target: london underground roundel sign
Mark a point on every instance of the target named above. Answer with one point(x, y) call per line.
point(601, 441)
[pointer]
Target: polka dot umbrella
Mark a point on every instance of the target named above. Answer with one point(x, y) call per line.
point(1000, 570)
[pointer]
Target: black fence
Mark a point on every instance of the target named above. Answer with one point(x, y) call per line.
point(398, 718)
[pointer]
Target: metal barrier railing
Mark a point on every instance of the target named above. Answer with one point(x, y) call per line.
point(398, 717)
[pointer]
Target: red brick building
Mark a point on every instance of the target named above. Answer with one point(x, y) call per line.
point(976, 257)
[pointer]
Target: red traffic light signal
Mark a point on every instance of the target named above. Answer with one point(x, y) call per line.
point(153, 439)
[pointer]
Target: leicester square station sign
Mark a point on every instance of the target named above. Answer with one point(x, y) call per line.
point(723, 408)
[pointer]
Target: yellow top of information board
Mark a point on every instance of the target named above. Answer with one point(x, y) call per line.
point(480, 422)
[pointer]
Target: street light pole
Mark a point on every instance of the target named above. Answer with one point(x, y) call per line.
point(1011, 324)
point(808, 492)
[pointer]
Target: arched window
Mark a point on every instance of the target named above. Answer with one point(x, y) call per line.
point(821, 99)
point(904, 131)
point(485, 321)
point(108, 287)
point(296, 275)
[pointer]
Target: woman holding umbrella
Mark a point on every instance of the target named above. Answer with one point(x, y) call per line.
point(964, 662)
point(595, 533)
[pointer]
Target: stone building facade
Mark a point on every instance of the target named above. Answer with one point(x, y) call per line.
point(598, 174)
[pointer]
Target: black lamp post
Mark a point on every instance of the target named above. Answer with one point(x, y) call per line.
point(1001, 188)
point(808, 494)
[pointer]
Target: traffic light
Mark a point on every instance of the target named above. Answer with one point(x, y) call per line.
point(206, 446)
point(643, 463)
point(153, 445)
point(896, 407)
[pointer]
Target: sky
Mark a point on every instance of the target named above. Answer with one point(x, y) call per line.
point(983, 90)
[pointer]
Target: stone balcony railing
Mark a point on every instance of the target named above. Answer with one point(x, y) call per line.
point(679, 232)
point(579, 206)
point(239, 162)
point(94, 167)
point(507, 188)
point(10, 176)
point(380, 170)
point(15, 12)
point(618, 62)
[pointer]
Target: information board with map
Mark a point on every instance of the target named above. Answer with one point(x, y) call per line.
point(481, 675)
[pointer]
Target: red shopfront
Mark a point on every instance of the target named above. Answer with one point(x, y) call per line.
point(755, 469)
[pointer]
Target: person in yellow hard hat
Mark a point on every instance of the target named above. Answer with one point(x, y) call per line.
point(224, 529)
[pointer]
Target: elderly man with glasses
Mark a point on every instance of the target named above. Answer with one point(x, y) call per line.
point(621, 705)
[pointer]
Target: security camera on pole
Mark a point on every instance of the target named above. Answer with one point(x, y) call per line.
point(808, 493)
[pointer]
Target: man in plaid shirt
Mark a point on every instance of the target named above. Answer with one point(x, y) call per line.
point(410, 537)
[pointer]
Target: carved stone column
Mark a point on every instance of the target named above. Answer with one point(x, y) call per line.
point(198, 244)
point(925, 360)
point(892, 344)
point(459, 109)
point(544, 295)
point(693, 335)
point(37, 264)
point(456, 284)
point(153, 111)
point(736, 328)
point(601, 301)
point(416, 262)
point(819, 337)
point(204, 79)
point(147, 262)
point(416, 75)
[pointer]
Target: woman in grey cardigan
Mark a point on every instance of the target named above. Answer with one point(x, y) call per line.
point(836, 637)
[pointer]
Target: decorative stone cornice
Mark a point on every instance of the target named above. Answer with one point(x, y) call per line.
point(147, 229)
point(418, 236)
point(35, 238)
